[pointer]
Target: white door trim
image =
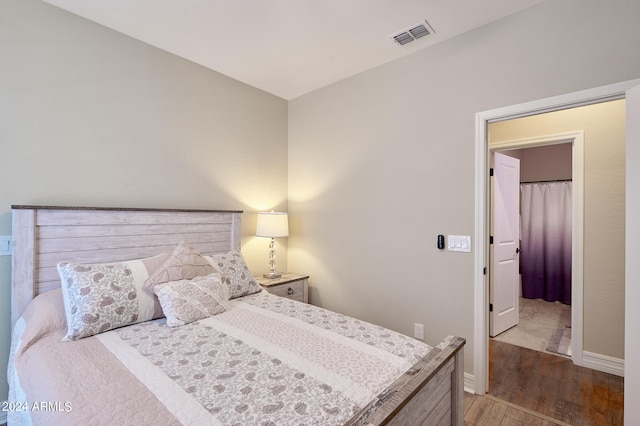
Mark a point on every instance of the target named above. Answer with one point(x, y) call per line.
point(632, 266)
point(576, 138)
point(481, 297)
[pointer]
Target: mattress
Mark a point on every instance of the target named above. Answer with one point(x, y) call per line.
point(266, 360)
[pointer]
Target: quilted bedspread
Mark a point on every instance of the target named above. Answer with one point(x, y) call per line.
point(267, 360)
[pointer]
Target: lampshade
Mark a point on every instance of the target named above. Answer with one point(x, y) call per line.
point(272, 225)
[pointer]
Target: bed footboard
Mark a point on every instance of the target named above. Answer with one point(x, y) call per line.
point(430, 393)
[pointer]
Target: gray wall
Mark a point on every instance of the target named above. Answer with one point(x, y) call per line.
point(383, 162)
point(549, 162)
point(93, 118)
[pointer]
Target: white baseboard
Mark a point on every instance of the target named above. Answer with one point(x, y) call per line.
point(603, 363)
point(469, 383)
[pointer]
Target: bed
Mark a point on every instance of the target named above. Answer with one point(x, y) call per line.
point(259, 359)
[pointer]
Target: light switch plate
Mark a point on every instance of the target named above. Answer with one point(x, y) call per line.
point(459, 243)
point(6, 245)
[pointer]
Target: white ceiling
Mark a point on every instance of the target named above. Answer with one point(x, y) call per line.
point(289, 47)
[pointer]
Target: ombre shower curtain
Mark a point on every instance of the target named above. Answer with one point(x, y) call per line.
point(545, 259)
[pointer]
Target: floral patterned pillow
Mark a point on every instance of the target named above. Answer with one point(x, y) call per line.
point(187, 301)
point(97, 298)
point(236, 274)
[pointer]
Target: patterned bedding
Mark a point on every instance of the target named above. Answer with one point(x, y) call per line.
point(267, 360)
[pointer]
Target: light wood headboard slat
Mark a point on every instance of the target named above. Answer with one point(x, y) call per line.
point(45, 236)
point(49, 285)
point(46, 260)
point(71, 231)
point(48, 217)
point(59, 245)
point(49, 274)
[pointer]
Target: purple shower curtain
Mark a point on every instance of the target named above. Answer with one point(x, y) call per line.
point(545, 260)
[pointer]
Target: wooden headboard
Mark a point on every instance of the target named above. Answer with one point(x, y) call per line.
point(44, 236)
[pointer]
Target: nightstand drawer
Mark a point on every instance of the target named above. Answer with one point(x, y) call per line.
point(289, 285)
point(293, 290)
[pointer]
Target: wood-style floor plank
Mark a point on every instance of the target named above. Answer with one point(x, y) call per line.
point(553, 386)
point(489, 411)
point(485, 412)
point(518, 417)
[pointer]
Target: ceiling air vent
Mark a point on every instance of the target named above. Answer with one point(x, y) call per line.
point(415, 32)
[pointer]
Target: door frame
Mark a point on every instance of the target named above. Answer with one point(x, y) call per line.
point(481, 225)
point(576, 139)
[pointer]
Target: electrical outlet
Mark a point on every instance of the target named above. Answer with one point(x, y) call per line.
point(418, 331)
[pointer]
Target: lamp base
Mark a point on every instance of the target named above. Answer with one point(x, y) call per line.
point(272, 275)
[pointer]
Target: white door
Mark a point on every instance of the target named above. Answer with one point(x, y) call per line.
point(505, 272)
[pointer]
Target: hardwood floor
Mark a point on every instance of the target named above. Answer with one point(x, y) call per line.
point(489, 411)
point(553, 386)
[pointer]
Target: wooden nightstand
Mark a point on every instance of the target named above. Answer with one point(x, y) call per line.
point(292, 286)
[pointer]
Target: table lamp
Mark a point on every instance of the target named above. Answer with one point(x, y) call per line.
point(272, 225)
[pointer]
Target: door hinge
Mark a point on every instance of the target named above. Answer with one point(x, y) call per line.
point(490, 307)
point(490, 239)
point(484, 271)
point(491, 171)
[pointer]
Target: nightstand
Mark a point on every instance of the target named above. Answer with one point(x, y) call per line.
point(292, 286)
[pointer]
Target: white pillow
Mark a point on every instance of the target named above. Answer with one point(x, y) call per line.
point(184, 263)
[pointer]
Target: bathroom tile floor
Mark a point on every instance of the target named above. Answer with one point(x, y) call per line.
point(538, 320)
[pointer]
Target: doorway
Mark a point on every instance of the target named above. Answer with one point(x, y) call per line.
point(543, 190)
point(559, 103)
